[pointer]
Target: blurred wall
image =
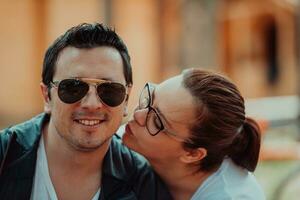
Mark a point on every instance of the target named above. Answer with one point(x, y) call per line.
point(20, 59)
point(27, 29)
point(30, 26)
point(163, 37)
point(258, 44)
point(137, 21)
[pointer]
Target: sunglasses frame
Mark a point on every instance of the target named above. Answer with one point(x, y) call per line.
point(91, 81)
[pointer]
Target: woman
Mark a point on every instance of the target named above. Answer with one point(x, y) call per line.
point(193, 130)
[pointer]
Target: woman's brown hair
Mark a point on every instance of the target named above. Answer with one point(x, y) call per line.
point(221, 126)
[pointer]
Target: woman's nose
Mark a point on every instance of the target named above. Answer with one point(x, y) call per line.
point(140, 116)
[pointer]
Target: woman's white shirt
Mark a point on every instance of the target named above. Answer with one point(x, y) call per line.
point(230, 182)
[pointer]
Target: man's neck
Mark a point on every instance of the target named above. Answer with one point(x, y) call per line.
point(74, 174)
point(64, 156)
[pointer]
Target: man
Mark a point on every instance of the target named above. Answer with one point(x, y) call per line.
point(69, 152)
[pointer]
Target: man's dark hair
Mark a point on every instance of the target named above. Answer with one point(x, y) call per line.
point(86, 36)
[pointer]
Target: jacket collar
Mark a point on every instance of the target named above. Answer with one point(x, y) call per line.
point(22, 145)
point(118, 172)
point(28, 133)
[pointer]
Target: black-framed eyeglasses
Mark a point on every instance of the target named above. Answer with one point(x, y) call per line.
point(154, 122)
point(73, 90)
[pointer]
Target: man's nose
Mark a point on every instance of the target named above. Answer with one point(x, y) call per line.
point(140, 116)
point(91, 100)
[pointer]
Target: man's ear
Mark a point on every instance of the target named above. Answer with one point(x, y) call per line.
point(193, 155)
point(46, 97)
point(125, 112)
point(128, 93)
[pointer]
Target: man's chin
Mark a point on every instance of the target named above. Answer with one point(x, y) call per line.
point(90, 147)
point(84, 148)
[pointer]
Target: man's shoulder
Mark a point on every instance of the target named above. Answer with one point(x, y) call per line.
point(125, 157)
point(25, 132)
point(33, 123)
point(121, 148)
point(123, 163)
point(127, 170)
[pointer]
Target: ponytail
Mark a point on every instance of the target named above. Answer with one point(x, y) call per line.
point(246, 145)
point(220, 126)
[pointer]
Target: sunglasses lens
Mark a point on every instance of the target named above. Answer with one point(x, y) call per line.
point(71, 90)
point(112, 94)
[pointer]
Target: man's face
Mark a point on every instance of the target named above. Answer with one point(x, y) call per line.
point(88, 123)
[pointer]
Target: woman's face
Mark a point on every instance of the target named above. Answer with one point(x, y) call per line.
point(172, 110)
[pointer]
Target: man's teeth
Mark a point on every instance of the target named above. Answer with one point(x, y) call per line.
point(89, 122)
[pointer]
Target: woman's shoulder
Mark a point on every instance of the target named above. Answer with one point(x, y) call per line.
point(230, 182)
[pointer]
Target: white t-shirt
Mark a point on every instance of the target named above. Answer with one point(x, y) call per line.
point(230, 182)
point(42, 185)
point(120, 132)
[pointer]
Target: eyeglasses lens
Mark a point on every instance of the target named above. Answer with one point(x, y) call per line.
point(154, 123)
point(144, 100)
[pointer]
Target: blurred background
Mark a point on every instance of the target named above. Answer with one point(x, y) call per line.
point(254, 42)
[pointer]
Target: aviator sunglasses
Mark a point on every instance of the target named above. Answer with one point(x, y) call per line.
point(74, 89)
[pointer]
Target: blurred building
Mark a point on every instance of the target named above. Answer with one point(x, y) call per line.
point(259, 45)
point(253, 41)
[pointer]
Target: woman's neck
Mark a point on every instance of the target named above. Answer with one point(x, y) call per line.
point(182, 181)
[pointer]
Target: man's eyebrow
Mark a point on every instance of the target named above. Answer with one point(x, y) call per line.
point(100, 78)
point(114, 80)
point(106, 79)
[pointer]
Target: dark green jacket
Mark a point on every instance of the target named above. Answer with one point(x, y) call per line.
point(125, 176)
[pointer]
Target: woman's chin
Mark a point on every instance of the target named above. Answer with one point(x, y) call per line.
point(128, 140)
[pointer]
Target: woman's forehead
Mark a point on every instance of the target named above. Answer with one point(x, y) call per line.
point(174, 101)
